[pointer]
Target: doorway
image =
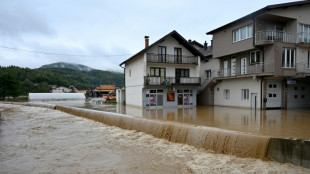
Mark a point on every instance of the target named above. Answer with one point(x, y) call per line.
point(233, 66)
point(254, 100)
point(225, 68)
point(180, 99)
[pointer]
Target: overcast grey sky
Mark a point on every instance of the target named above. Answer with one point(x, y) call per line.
point(109, 31)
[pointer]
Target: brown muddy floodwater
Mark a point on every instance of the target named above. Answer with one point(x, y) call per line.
point(290, 123)
point(40, 140)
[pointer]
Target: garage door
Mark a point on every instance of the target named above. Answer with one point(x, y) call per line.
point(274, 94)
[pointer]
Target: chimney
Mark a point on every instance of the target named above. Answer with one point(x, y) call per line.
point(205, 46)
point(146, 41)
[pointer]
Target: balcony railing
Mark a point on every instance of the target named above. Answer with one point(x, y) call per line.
point(258, 68)
point(304, 38)
point(171, 80)
point(270, 36)
point(168, 58)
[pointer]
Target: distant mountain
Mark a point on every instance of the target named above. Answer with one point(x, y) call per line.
point(72, 66)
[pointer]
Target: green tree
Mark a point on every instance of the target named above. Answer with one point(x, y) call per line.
point(8, 86)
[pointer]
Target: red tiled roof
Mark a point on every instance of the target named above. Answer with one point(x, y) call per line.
point(101, 87)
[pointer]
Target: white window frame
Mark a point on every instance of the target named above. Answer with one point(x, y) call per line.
point(208, 74)
point(255, 57)
point(288, 59)
point(245, 94)
point(226, 94)
point(304, 35)
point(246, 30)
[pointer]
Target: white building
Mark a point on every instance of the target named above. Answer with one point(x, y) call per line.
point(61, 89)
point(164, 74)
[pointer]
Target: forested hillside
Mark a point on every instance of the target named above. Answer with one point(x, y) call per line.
point(40, 80)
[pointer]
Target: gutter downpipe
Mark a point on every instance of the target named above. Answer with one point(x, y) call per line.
point(263, 51)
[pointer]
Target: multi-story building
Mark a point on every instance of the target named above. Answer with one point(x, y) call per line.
point(163, 74)
point(263, 59)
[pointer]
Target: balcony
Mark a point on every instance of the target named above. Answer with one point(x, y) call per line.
point(304, 40)
point(271, 36)
point(258, 69)
point(166, 81)
point(173, 59)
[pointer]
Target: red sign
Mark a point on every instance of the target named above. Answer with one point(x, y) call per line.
point(170, 96)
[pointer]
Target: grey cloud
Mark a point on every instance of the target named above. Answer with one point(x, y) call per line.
point(17, 19)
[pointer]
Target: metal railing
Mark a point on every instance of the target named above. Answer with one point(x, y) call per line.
point(168, 58)
point(215, 73)
point(148, 80)
point(304, 37)
point(254, 68)
point(270, 36)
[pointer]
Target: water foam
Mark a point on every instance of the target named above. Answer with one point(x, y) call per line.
point(214, 139)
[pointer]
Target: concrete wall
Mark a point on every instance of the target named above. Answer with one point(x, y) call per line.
point(292, 151)
point(235, 86)
point(134, 80)
point(223, 41)
point(301, 13)
point(209, 64)
point(205, 96)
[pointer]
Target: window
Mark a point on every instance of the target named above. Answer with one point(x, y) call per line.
point(157, 72)
point(162, 54)
point(304, 33)
point(243, 33)
point(245, 94)
point(208, 74)
point(288, 58)
point(130, 73)
point(178, 55)
point(226, 94)
point(182, 72)
point(254, 57)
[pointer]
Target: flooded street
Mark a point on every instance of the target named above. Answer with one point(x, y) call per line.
point(290, 123)
point(40, 140)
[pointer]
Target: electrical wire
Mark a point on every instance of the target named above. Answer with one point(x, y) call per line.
point(61, 54)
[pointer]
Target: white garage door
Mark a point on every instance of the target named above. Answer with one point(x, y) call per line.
point(274, 94)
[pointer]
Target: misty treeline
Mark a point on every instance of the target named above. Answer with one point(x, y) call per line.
point(16, 81)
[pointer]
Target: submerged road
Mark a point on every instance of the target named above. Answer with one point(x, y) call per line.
point(40, 140)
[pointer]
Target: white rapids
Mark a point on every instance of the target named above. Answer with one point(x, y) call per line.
point(42, 140)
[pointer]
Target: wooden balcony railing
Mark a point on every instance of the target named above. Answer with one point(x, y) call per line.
point(168, 58)
point(171, 81)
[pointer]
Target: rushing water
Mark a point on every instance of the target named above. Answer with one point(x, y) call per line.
point(291, 123)
point(40, 140)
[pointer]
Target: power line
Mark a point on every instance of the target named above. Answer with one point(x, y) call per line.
point(61, 54)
